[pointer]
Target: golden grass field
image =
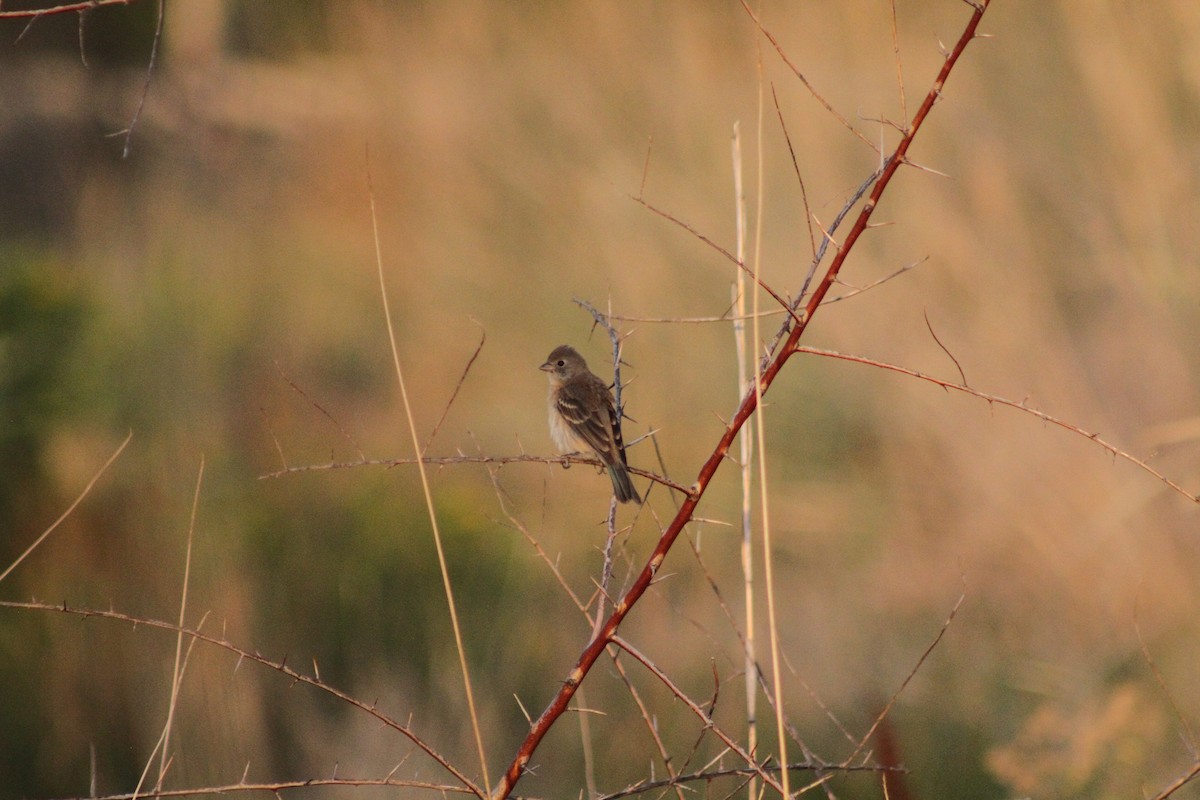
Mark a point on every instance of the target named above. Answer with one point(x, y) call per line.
point(223, 299)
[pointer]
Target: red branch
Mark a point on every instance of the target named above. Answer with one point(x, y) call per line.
point(596, 647)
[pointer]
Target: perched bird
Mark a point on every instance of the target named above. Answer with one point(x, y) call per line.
point(583, 417)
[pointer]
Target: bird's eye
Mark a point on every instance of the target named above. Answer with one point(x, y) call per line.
point(562, 363)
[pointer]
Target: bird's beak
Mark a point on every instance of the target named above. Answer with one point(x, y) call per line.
point(547, 367)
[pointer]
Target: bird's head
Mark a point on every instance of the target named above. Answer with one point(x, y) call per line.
point(563, 363)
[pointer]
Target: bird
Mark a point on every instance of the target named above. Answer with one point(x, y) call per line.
point(584, 417)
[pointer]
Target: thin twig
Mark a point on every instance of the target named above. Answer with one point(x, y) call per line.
point(176, 675)
point(734, 772)
point(651, 728)
point(281, 786)
point(587, 658)
point(278, 447)
point(908, 678)
point(524, 458)
point(775, 312)
point(433, 521)
point(160, 744)
point(787, 305)
point(946, 350)
point(696, 709)
point(537, 546)
point(807, 85)
point(899, 68)
point(724, 317)
point(70, 508)
point(711, 711)
point(812, 240)
point(1179, 783)
point(826, 238)
point(248, 655)
point(324, 412)
point(1020, 406)
point(647, 719)
point(83, 16)
point(616, 339)
point(809, 754)
point(66, 8)
point(857, 290)
point(461, 379)
point(1189, 735)
point(646, 166)
point(610, 526)
point(137, 115)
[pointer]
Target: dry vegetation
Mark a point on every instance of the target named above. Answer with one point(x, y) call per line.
point(216, 294)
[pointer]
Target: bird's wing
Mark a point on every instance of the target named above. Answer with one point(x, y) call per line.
point(587, 407)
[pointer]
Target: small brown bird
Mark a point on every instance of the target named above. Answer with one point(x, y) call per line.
point(583, 417)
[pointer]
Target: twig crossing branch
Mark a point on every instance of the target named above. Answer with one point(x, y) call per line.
point(596, 647)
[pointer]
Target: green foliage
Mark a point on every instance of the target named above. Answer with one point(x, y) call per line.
point(41, 317)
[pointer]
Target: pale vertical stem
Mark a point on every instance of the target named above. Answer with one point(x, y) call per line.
point(433, 521)
point(163, 745)
point(745, 444)
point(759, 426)
point(176, 676)
point(585, 735)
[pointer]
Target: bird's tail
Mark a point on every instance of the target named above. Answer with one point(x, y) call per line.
point(622, 486)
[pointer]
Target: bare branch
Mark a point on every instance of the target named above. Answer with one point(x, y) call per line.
point(696, 709)
point(899, 68)
point(66, 8)
point(745, 409)
point(137, 115)
point(70, 508)
point(812, 89)
point(945, 349)
point(1188, 734)
point(279, 666)
point(812, 240)
point(646, 167)
point(1020, 406)
point(615, 337)
point(908, 678)
point(325, 413)
point(734, 772)
point(461, 379)
point(563, 460)
point(435, 529)
point(785, 304)
point(280, 786)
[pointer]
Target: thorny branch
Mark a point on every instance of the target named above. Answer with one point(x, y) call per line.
point(729, 741)
point(599, 643)
point(732, 772)
point(563, 460)
point(279, 666)
point(277, 787)
point(1019, 406)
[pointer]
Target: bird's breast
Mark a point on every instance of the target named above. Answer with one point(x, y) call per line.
point(564, 436)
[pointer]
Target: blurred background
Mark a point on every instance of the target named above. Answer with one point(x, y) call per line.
point(216, 294)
